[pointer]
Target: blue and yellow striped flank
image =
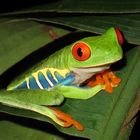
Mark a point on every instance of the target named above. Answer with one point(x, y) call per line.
point(47, 78)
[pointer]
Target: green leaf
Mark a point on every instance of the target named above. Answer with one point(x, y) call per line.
point(130, 121)
point(104, 114)
point(23, 129)
point(20, 38)
point(128, 24)
point(94, 16)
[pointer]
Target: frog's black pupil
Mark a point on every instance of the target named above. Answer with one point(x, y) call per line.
point(79, 52)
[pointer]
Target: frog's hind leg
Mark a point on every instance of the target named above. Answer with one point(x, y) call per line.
point(68, 120)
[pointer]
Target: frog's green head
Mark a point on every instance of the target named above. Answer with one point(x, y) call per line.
point(96, 51)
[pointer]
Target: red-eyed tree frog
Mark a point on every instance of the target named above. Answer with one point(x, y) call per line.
point(63, 73)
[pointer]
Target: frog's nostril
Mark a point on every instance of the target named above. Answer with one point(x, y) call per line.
point(119, 36)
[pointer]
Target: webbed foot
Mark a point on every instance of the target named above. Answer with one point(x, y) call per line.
point(108, 78)
point(67, 119)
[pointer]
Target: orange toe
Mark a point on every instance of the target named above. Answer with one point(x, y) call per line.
point(108, 78)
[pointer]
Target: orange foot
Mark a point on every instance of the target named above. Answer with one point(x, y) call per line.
point(68, 120)
point(108, 78)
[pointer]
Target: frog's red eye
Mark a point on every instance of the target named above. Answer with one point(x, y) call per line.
point(81, 51)
point(119, 36)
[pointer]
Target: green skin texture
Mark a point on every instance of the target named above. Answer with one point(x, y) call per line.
point(105, 49)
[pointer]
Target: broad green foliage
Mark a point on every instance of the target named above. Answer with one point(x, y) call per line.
point(93, 16)
point(129, 24)
point(23, 132)
point(20, 38)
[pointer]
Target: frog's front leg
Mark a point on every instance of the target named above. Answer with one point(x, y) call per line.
point(79, 92)
point(69, 90)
